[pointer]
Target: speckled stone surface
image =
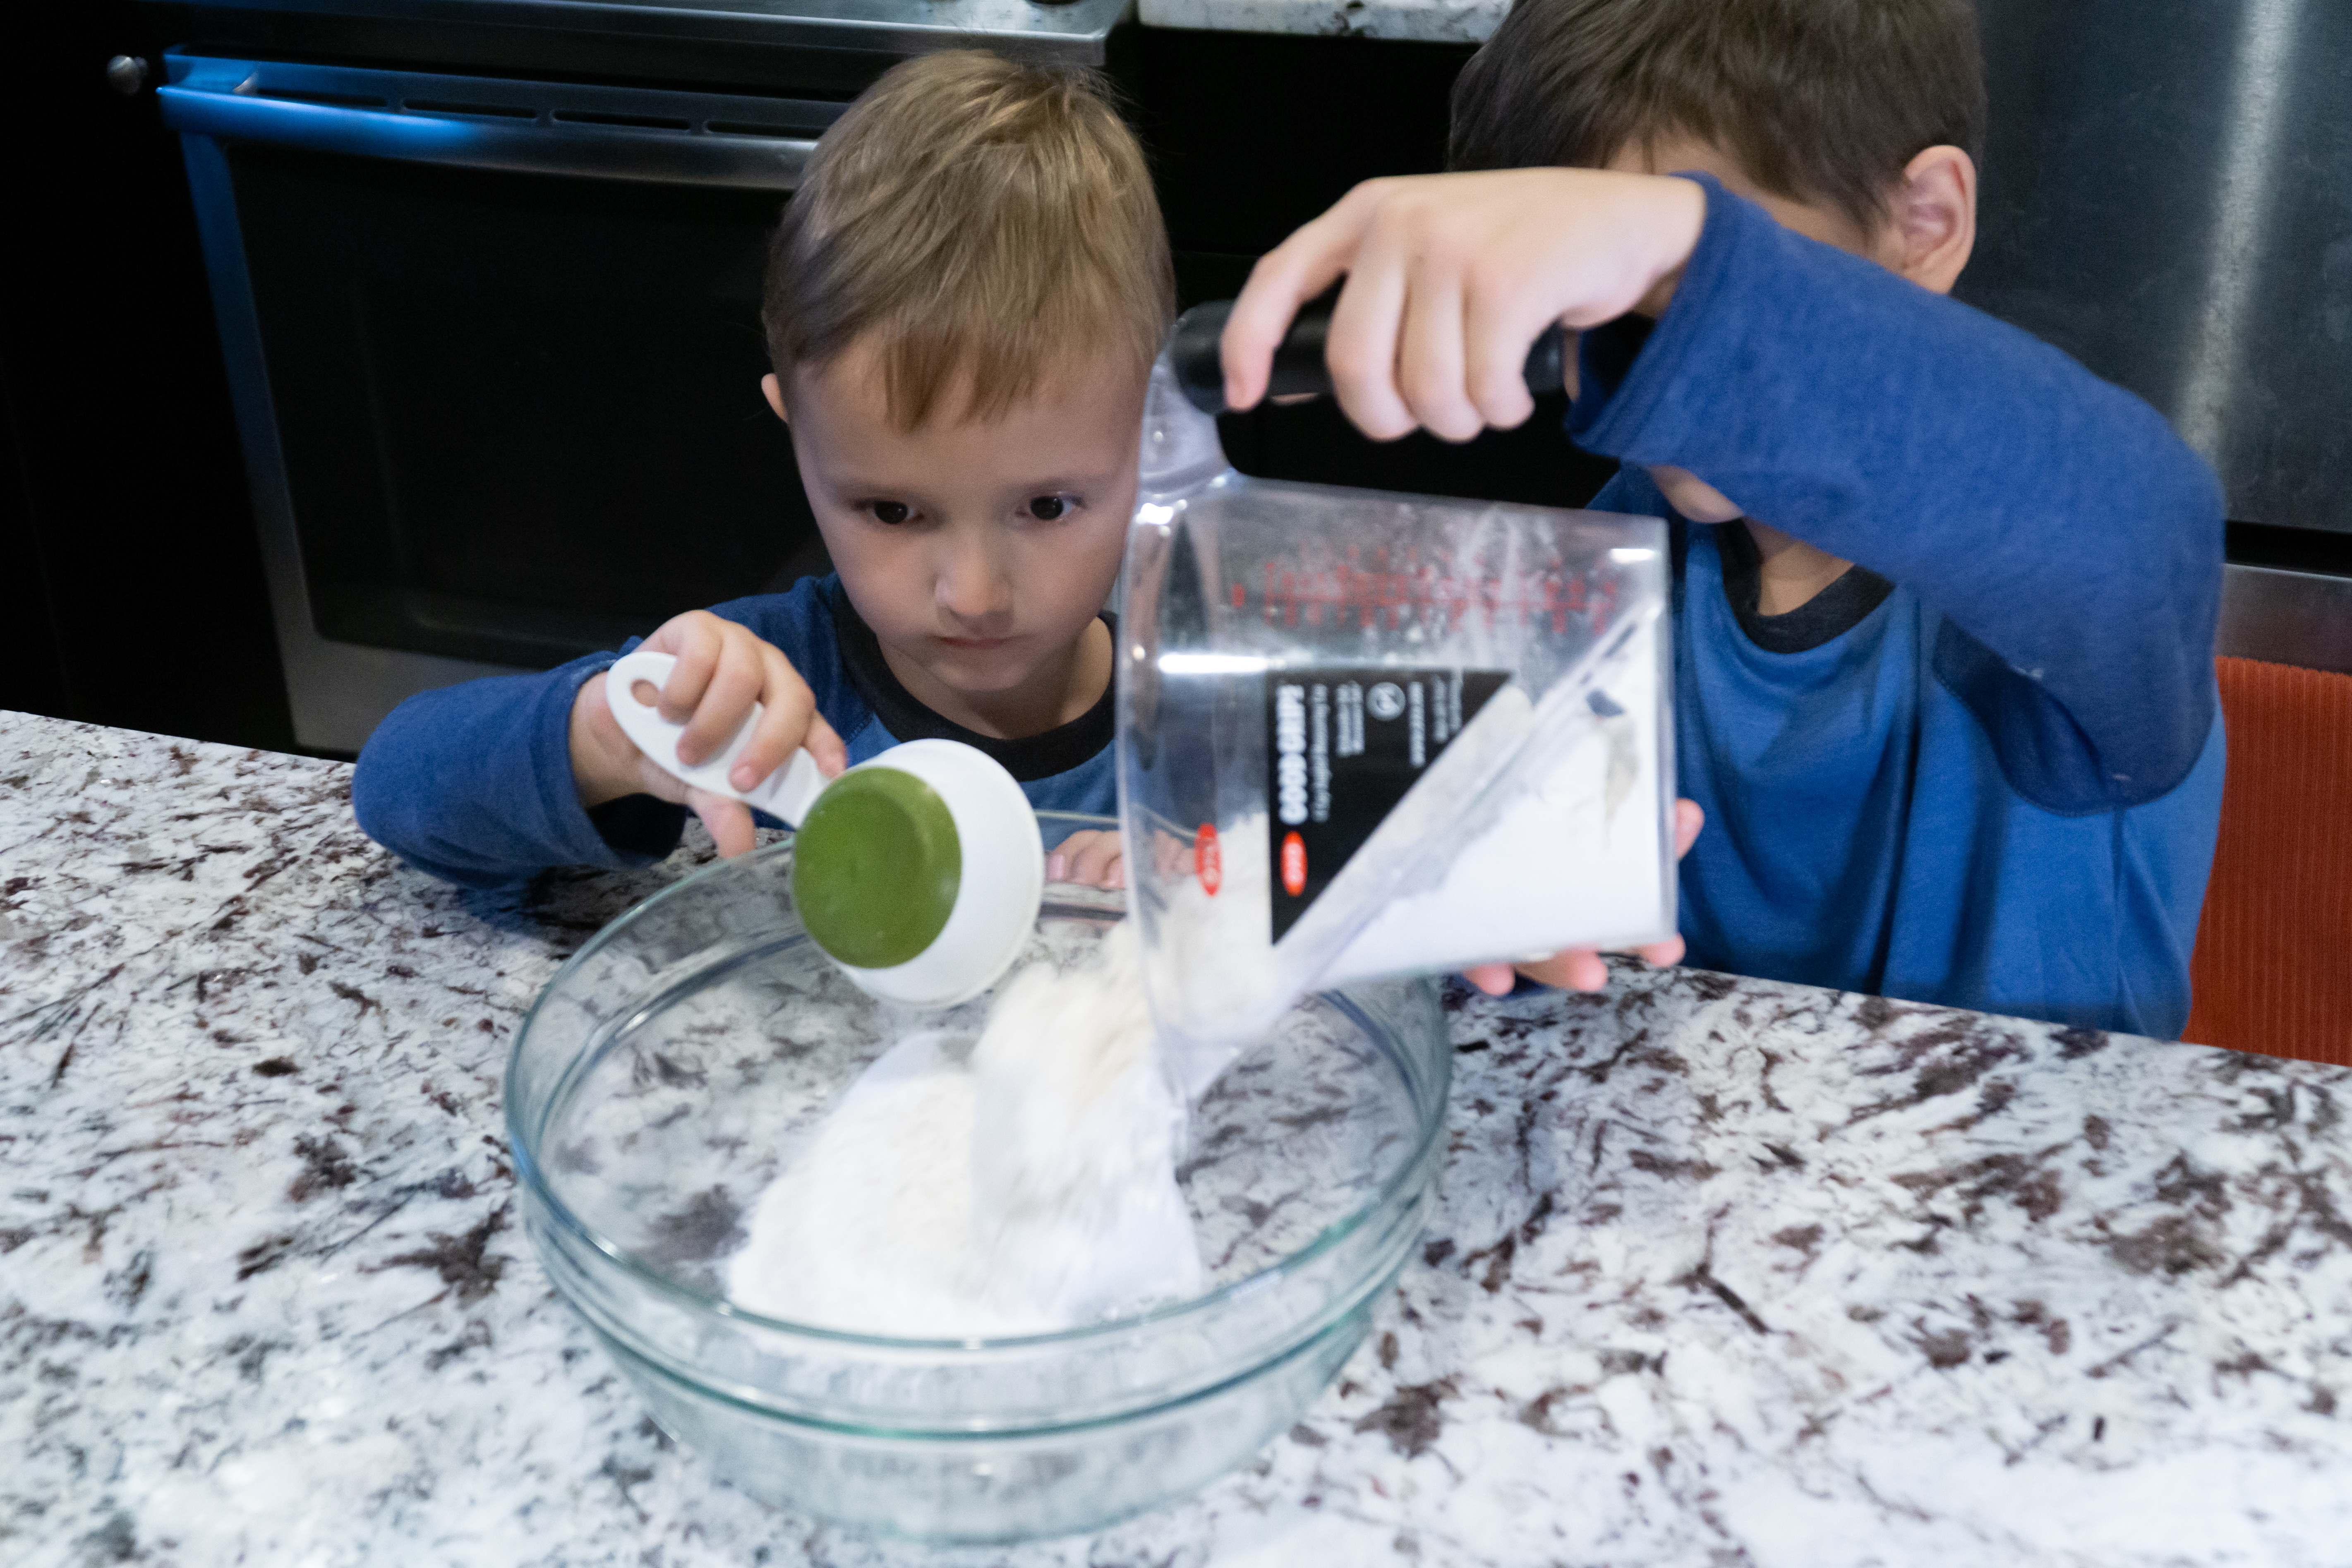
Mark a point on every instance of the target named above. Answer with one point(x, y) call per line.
point(1724, 1273)
point(1427, 21)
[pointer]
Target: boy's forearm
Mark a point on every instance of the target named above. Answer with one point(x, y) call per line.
point(474, 784)
point(2053, 518)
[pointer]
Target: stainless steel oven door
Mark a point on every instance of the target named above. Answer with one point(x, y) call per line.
point(494, 346)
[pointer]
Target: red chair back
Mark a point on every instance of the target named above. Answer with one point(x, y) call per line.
point(2273, 967)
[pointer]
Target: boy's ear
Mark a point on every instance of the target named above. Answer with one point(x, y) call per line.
point(774, 389)
point(1936, 217)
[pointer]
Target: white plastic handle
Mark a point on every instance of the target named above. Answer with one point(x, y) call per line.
point(786, 792)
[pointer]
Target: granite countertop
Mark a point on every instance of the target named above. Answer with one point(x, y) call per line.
point(1725, 1272)
point(1072, 28)
point(1427, 21)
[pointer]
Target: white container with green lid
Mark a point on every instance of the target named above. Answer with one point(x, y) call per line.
point(919, 871)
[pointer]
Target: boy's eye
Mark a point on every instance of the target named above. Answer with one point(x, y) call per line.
point(891, 512)
point(1046, 509)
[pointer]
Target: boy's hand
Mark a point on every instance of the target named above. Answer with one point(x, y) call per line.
point(722, 669)
point(1090, 856)
point(1450, 280)
point(1580, 968)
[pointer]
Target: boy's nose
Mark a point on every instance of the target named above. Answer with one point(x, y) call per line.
point(974, 587)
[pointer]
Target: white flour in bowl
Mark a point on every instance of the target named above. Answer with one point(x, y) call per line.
point(1029, 1188)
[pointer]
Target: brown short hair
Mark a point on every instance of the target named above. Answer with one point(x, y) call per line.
point(982, 220)
point(1816, 100)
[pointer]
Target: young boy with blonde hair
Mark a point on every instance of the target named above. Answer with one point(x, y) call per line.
point(963, 300)
point(1945, 601)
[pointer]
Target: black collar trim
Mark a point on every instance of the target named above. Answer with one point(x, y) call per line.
point(1032, 757)
point(1829, 615)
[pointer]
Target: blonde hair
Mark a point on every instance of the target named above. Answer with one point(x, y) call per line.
point(982, 221)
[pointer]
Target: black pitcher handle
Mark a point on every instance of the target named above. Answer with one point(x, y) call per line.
point(1299, 369)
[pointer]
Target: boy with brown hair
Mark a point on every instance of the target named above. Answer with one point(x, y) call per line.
point(1945, 601)
point(963, 300)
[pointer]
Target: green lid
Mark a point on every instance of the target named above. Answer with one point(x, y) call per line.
point(876, 867)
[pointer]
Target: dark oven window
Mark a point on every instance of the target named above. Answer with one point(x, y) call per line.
point(521, 414)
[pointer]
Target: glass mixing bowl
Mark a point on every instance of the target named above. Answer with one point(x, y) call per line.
point(670, 1070)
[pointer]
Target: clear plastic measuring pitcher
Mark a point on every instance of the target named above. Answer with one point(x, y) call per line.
point(1367, 733)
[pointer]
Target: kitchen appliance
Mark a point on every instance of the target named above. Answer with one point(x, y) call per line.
point(2167, 196)
point(406, 228)
point(488, 278)
point(669, 1072)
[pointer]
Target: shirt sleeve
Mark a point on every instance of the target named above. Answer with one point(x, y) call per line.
point(473, 784)
point(2071, 540)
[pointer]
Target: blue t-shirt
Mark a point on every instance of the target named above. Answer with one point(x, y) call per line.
point(473, 782)
point(1984, 768)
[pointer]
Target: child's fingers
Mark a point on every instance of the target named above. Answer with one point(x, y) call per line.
point(1171, 855)
point(1083, 857)
point(1575, 969)
point(1094, 858)
point(729, 821)
point(1581, 968)
point(1498, 328)
point(695, 640)
point(1362, 347)
point(824, 744)
point(1058, 863)
point(1688, 819)
point(734, 685)
point(1493, 979)
point(1663, 955)
point(1431, 369)
point(788, 718)
point(1285, 278)
point(1578, 969)
point(722, 669)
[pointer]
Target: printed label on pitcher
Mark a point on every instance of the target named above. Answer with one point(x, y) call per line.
point(1344, 743)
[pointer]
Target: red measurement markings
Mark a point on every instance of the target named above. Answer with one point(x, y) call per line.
point(1376, 597)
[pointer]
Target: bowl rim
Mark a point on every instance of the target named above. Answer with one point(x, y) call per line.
point(535, 1185)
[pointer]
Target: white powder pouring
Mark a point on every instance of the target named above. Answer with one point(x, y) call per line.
point(1571, 853)
point(1029, 1188)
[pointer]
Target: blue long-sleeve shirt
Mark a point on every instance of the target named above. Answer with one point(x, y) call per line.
point(1982, 769)
point(473, 782)
point(1985, 768)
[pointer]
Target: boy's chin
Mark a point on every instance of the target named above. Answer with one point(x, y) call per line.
point(972, 673)
point(983, 675)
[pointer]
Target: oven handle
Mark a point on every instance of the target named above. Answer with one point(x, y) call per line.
point(541, 146)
